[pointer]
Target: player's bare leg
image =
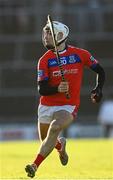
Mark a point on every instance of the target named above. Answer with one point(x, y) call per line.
point(61, 120)
point(60, 143)
point(42, 130)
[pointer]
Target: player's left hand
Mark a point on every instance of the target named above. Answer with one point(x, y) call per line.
point(96, 95)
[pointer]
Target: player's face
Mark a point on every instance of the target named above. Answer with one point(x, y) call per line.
point(47, 38)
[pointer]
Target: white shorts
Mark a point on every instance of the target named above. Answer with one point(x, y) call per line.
point(45, 113)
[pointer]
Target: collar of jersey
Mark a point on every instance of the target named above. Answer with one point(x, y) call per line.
point(63, 51)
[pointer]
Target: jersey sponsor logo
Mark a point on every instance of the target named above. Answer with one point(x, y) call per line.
point(56, 73)
point(65, 60)
point(52, 62)
point(66, 71)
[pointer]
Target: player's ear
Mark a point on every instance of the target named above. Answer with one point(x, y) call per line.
point(59, 36)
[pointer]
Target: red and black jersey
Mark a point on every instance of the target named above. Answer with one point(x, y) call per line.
point(73, 61)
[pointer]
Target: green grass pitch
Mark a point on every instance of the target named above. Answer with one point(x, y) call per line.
point(88, 159)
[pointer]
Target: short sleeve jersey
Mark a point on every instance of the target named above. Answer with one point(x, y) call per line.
point(73, 61)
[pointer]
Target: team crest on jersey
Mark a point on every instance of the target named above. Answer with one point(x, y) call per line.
point(73, 59)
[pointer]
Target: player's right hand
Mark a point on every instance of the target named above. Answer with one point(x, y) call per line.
point(63, 87)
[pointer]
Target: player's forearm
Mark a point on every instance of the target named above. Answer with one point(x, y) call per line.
point(100, 80)
point(100, 76)
point(45, 89)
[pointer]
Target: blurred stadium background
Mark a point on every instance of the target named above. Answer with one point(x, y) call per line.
point(21, 23)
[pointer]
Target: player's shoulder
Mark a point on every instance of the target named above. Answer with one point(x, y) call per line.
point(77, 49)
point(45, 56)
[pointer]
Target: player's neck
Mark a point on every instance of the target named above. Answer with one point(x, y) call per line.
point(61, 47)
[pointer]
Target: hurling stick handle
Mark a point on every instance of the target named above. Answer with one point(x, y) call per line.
point(57, 53)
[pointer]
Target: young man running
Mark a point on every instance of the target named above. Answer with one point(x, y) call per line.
point(55, 111)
